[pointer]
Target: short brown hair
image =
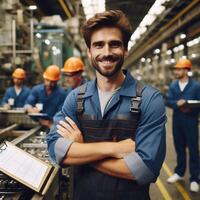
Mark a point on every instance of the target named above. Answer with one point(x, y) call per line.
point(110, 18)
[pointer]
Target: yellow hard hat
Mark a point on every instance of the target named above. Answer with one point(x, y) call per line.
point(19, 73)
point(52, 73)
point(73, 65)
point(183, 63)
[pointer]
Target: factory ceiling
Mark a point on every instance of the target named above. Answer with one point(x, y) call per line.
point(134, 9)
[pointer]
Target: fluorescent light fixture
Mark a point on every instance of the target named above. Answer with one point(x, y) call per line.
point(38, 35)
point(194, 55)
point(47, 42)
point(181, 47)
point(148, 60)
point(91, 7)
point(172, 60)
point(156, 51)
point(156, 9)
point(54, 48)
point(169, 52)
point(182, 36)
point(32, 7)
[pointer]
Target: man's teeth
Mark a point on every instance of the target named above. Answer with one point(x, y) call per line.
point(106, 62)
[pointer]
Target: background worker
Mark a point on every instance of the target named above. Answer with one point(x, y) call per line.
point(47, 97)
point(117, 155)
point(16, 95)
point(72, 72)
point(185, 123)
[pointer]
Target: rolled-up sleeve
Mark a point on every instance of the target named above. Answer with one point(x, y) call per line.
point(145, 163)
point(57, 145)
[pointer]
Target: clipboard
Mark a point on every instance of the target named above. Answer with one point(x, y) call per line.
point(38, 116)
point(192, 104)
point(23, 167)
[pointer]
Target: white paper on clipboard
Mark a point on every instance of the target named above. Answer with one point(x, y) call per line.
point(22, 166)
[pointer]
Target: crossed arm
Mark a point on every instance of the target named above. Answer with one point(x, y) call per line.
point(106, 157)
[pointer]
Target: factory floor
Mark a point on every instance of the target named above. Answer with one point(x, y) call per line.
point(162, 190)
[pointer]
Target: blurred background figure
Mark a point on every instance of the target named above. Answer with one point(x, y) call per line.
point(16, 95)
point(47, 97)
point(185, 123)
point(72, 72)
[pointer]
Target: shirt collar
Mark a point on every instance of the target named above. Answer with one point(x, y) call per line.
point(127, 88)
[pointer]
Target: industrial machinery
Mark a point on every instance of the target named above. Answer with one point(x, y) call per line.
point(21, 130)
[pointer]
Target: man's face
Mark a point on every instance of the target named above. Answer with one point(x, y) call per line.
point(107, 51)
point(49, 85)
point(18, 82)
point(180, 73)
point(72, 80)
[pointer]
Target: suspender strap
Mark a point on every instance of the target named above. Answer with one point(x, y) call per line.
point(80, 100)
point(135, 101)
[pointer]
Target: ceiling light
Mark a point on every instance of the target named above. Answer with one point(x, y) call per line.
point(38, 35)
point(182, 36)
point(32, 7)
point(47, 42)
point(156, 51)
point(169, 52)
point(91, 7)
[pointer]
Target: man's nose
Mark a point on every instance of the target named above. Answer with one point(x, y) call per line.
point(107, 51)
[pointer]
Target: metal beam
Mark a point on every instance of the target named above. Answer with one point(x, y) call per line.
point(174, 25)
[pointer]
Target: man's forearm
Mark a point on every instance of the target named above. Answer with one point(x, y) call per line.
point(114, 167)
point(82, 153)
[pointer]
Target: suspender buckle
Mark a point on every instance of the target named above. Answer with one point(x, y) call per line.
point(135, 103)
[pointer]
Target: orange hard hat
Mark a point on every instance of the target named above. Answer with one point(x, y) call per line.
point(52, 73)
point(19, 73)
point(183, 63)
point(73, 65)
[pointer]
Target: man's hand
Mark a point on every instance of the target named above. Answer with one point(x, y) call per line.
point(6, 107)
point(68, 129)
point(46, 122)
point(124, 147)
point(32, 110)
point(180, 102)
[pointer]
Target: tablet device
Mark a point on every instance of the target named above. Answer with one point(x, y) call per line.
point(38, 116)
point(192, 104)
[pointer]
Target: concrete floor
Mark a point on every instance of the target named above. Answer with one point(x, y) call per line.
point(161, 190)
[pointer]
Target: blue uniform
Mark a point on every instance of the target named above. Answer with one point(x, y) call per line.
point(146, 161)
point(185, 127)
point(19, 100)
point(51, 103)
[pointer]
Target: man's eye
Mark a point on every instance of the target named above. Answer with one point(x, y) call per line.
point(98, 45)
point(116, 44)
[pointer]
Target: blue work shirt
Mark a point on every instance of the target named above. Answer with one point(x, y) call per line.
point(190, 92)
point(146, 161)
point(51, 103)
point(19, 100)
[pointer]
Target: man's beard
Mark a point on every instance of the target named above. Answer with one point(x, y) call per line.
point(112, 58)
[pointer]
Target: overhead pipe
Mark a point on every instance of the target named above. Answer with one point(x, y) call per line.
point(65, 8)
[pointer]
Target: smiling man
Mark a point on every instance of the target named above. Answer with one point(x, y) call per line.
point(112, 128)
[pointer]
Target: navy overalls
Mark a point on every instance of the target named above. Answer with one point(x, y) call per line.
point(185, 128)
point(91, 184)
